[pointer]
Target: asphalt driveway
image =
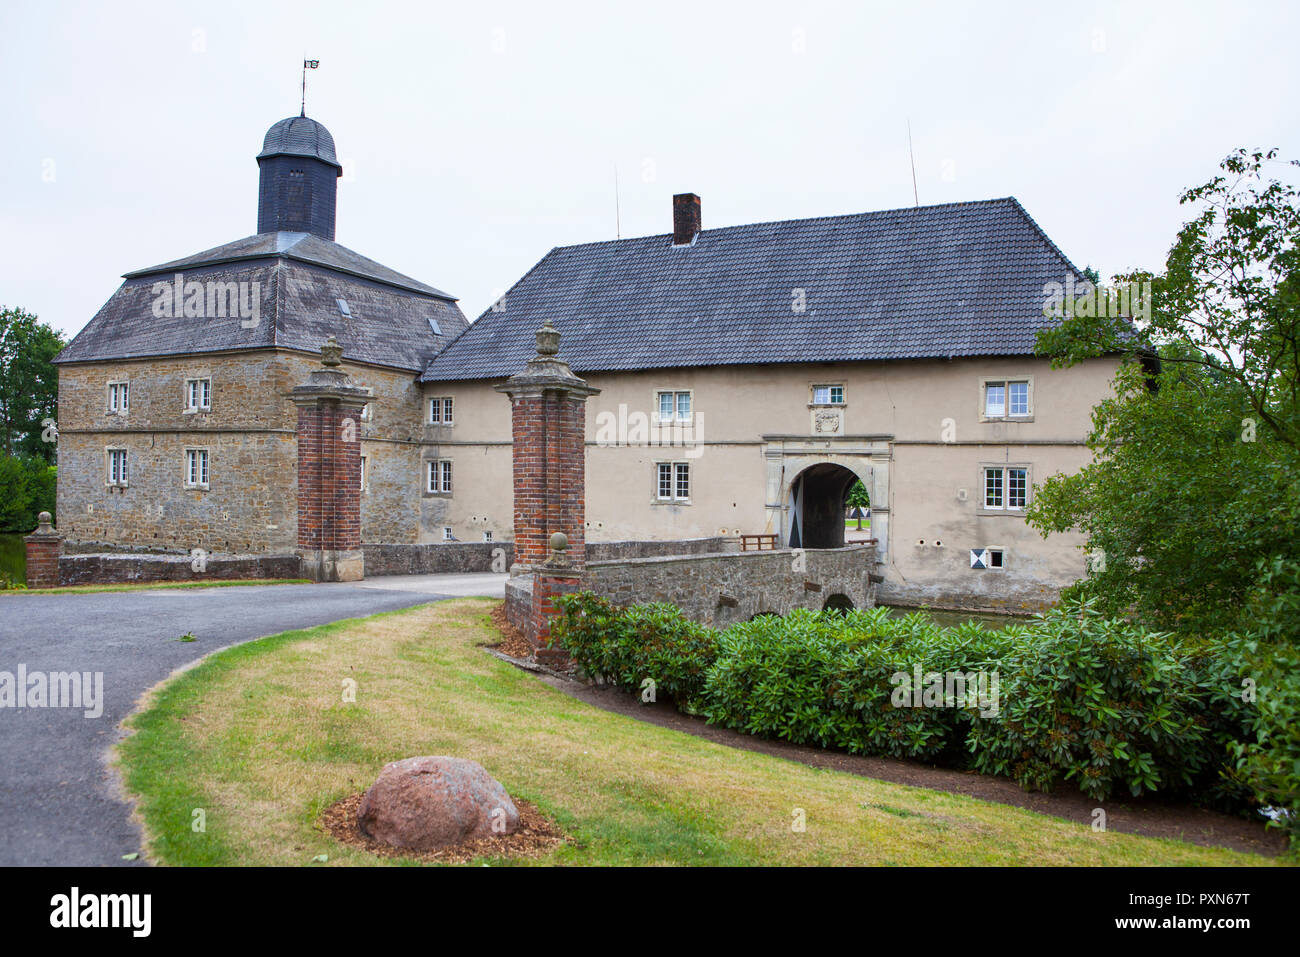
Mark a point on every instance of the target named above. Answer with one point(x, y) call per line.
point(59, 803)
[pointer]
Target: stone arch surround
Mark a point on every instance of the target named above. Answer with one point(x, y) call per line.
point(869, 457)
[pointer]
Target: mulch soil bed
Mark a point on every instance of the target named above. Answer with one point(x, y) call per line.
point(513, 643)
point(536, 836)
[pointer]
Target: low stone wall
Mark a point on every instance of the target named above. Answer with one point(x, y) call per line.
point(612, 551)
point(117, 568)
point(437, 558)
point(721, 589)
point(459, 557)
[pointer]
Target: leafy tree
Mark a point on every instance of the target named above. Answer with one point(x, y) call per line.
point(858, 498)
point(27, 488)
point(29, 384)
point(1195, 488)
point(1230, 294)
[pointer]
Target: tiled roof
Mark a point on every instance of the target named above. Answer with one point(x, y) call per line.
point(300, 280)
point(964, 279)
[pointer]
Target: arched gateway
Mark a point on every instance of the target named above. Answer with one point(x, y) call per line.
point(808, 481)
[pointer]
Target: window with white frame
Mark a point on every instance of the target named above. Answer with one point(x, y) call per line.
point(447, 535)
point(672, 481)
point(116, 467)
point(438, 477)
point(363, 473)
point(198, 395)
point(1007, 398)
point(119, 396)
point(487, 536)
point(828, 395)
point(1006, 487)
point(440, 410)
point(196, 468)
point(674, 407)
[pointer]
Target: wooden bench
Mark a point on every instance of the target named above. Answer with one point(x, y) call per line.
point(757, 543)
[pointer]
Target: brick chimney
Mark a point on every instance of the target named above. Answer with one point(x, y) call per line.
point(686, 218)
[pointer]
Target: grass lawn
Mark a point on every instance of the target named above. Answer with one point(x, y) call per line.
point(258, 736)
point(146, 586)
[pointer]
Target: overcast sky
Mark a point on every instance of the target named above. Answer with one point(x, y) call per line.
point(477, 136)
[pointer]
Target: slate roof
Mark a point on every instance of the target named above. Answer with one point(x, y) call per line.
point(962, 279)
point(299, 136)
point(304, 247)
point(301, 278)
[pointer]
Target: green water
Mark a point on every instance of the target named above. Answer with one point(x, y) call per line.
point(950, 618)
point(13, 557)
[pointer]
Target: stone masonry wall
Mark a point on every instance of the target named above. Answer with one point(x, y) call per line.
point(448, 558)
point(250, 434)
point(117, 568)
point(458, 557)
point(720, 590)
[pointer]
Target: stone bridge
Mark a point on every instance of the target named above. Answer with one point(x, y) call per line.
point(723, 588)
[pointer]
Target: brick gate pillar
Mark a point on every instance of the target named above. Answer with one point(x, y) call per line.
point(43, 548)
point(548, 431)
point(329, 471)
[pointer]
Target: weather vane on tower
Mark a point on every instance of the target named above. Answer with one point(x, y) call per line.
point(306, 65)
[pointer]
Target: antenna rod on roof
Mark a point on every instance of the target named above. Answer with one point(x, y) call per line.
point(618, 225)
point(916, 199)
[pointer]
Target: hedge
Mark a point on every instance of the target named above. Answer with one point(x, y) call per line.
point(1100, 702)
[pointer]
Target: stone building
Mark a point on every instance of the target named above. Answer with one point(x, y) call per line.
point(742, 379)
point(177, 431)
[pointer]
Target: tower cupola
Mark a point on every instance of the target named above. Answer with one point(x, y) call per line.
point(299, 179)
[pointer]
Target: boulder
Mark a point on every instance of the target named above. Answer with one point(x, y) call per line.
point(433, 802)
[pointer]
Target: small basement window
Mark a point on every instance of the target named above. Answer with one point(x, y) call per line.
point(991, 559)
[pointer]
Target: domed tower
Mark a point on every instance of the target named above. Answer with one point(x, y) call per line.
point(299, 179)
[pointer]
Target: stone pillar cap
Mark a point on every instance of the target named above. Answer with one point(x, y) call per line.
point(546, 371)
point(44, 530)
